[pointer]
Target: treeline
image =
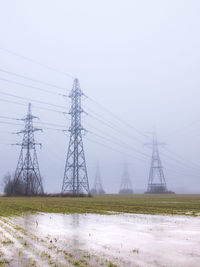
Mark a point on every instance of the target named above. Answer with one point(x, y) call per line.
point(29, 187)
point(18, 187)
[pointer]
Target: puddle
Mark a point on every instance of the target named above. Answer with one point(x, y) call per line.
point(100, 240)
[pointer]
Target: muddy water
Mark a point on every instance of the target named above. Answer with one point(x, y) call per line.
point(102, 240)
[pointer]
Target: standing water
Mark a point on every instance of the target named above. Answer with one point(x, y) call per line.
point(101, 240)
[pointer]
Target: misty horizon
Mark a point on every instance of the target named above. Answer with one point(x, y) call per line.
point(138, 66)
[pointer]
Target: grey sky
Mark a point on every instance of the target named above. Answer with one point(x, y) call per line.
point(140, 59)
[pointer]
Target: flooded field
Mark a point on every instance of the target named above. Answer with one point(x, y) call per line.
point(100, 240)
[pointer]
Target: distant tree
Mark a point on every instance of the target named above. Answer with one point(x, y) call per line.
point(31, 186)
point(7, 184)
point(13, 186)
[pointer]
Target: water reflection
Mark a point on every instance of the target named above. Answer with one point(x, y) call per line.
point(127, 236)
point(29, 222)
point(75, 230)
point(75, 220)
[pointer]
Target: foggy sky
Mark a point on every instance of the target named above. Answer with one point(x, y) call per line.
point(140, 59)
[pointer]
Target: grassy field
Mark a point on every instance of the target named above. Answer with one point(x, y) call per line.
point(141, 204)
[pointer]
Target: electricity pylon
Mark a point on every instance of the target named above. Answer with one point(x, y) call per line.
point(75, 179)
point(126, 185)
point(156, 183)
point(27, 171)
point(98, 188)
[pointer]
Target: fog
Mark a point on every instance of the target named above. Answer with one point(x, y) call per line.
point(138, 59)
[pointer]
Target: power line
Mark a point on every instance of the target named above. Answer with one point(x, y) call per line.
point(40, 122)
point(106, 138)
point(58, 105)
point(97, 142)
point(113, 127)
point(113, 149)
point(25, 104)
point(111, 124)
point(175, 169)
point(49, 123)
point(118, 118)
point(178, 161)
point(20, 124)
point(183, 128)
point(114, 142)
point(11, 123)
point(32, 100)
point(62, 125)
point(122, 143)
point(36, 62)
point(6, 117)
point(125, 154)
point(32, 79)
point(184, 160)
point(185, 164)
point(30, 86)
point(54, 129)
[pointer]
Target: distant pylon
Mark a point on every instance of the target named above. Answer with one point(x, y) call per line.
point(27, 170)
point(75, 179)
point(126, 185)
point(98, 188)
point(156, 183)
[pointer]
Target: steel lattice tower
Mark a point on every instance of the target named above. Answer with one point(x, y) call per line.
point(98, 188)
point(126, 185)
point(27, 170)
point(75, 179)
point(157, 182)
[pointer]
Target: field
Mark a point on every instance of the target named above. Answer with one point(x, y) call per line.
point(56, 231)
point(140, 204)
